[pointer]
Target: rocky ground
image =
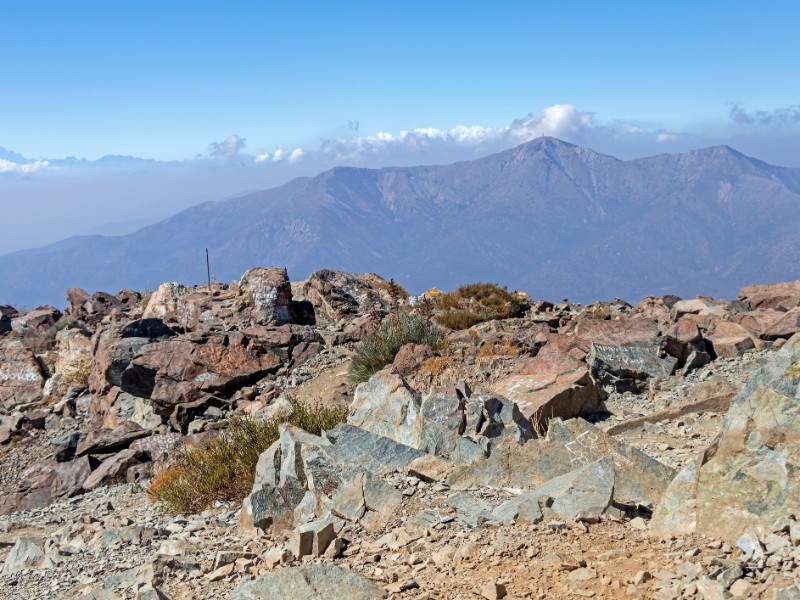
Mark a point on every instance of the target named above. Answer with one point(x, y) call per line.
point(475, 507)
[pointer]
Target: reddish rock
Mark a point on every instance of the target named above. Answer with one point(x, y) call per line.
point(92, 309)
point(180, 371)
point(686, 330)
point(615, 332)
point(775, 296)
point(693, 306)
point(112, 470)
point(758, 321)
point(46, 481)
point(731, 347)
point(785, 327)
point(410, 356)
point(103, 441)
point(21, 378)
point(551, 384)
point(655, 309)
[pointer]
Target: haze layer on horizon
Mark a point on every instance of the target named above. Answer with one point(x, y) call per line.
point(169, 106)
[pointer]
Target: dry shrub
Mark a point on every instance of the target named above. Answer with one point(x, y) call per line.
point(378, 349)
point(76, 372)
point(462, 319)
point(224, 468)
point(499, 349)
point(435, 366)
point(475, 303)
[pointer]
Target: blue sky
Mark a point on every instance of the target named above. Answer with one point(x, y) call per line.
point(260, 92)
point(164, 79)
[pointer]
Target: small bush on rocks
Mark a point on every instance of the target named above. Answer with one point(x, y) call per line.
point(224, 468)
point(475, 303)
point(77, 372)
point(377, 349)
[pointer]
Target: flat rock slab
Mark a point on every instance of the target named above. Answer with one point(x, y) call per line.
point(374, 453)
point(586, 490)
point(568, 446)
point(308, 582)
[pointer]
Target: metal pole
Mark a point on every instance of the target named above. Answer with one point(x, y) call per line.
point(208, 270)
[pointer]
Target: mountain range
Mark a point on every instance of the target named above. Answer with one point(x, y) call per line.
point(547, 217)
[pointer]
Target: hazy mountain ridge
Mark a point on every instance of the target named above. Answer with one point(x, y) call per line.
point(547, 217)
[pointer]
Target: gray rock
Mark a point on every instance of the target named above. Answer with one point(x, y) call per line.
point(585, 491)
point(386, 406)
point(27, 553)
point(308, 582)
point(747, 478)
point(470, 511)
point(374, 453)
point(625, 367)
point(66, 445)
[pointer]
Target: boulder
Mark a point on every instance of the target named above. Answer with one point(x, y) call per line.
point(164, 300)
point(37, 322)
point(46, 481)
point(294, 480)
point(113, 469)
point(336, 295)
point(7, 313)
point(21, 378)
point(776, 296)
point(625, 368)
point(113, 348)
point(783, 328)
point(91, 309)
point(694, 306)
point(748, 478)
point(656, 309)
point(552, 384)
point(308, 582)
point(27, 553)
point(568, 445)
point(265, 296)
point(303, 477)
point(451, 423)
point(410, 356)
point(385, 405)
point(586, 491)
point(181, 371)
point(624, 331)
point(104, 441)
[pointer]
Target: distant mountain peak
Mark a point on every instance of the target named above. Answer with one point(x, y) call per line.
point(548, 217)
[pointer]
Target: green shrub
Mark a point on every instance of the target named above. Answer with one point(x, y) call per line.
point(224, 468)
point(378, 349)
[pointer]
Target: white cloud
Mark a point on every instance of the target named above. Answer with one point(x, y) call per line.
point(229, 148)
point(665, 136)
point(563, 121)
point(278, 155)
point(6, 166)
point(262, 158)
point(296, 155)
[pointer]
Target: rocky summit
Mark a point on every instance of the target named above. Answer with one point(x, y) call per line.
point(478, 443)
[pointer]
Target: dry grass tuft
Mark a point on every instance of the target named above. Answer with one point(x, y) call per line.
point(224, 468)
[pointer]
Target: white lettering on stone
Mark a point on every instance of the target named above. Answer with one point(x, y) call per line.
point(265, 296)
point(18, 376)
